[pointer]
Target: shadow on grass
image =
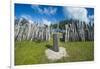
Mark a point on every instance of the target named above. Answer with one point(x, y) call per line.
point(62, 40)
point(49, 47)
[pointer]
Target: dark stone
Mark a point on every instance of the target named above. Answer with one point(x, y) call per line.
point(55, 42)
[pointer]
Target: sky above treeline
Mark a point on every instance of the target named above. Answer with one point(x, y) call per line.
point(53, 14)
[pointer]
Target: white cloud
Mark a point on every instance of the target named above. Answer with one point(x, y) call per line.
point(36, 8)
point(91, 18)
point(53, 10)
point(27, 17)
point(45, 21)
point(76, 13)
point(44, 10)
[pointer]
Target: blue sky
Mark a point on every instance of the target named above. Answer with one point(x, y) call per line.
point(52, 13)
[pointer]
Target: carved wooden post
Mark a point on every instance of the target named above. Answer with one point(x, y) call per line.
point(55, 42)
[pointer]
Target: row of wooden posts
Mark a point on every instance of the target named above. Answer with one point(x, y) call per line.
point(31, 31)
point(79, 31)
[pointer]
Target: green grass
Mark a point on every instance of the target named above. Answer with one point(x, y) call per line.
point(33, 52)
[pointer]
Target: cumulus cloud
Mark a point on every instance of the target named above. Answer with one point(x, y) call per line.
point(27, 17)
point(46, 22)
point(91, 18)
point(76, 13)
point(44, 10)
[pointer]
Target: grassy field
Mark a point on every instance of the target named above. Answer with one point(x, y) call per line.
point(33, 52)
